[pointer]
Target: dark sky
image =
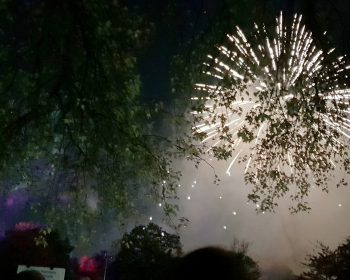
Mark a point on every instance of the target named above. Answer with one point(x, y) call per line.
point(173, 25)
point(176, 23)
point(279, 239)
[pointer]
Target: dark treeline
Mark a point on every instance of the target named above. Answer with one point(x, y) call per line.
point(149, 252)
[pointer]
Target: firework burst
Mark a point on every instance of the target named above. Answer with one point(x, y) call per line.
point(279, 104)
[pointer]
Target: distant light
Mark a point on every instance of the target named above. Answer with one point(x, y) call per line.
point(150, 218)
point(159, 204)
point(340, 205)
point(179, 185)
point(257, 206)
point(164, 182)
point(162, 234)
point(225, 227)
point(220, 197)
point(192, 186)
point(188, 198)
point(194, 182)
point(234, 213)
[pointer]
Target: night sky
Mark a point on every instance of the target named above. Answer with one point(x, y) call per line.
point(218, 214)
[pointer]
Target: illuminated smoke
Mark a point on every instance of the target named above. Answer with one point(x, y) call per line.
point(279, 104)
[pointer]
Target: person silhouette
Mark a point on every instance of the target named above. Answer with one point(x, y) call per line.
point(211, 263)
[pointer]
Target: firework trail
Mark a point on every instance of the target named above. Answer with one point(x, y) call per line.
point(280, 104)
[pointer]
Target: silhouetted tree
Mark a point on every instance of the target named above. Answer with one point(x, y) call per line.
point(72, 122)
point(329, 264)
point(146, 252)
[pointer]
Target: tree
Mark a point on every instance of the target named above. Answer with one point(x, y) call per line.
point(261, 96)
point(72, 123)
point(73, 127)
point(249, 266)
point(147, 251)
point(328, 264)
point(33, 245)
point(152, 253)
point(209, 32)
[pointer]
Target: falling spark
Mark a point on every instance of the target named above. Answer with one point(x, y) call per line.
point(271, 100)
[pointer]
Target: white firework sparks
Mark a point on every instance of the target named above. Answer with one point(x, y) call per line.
point(282, 99)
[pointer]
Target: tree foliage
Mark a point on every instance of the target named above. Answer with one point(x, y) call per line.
point(329, 264)
point(329, 23)
point(73, 127)
point(270, 91)
point(72, 123)
point(147, 251)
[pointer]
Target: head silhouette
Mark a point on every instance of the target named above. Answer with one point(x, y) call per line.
point(212, 263)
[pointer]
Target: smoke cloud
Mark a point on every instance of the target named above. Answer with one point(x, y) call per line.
point(218, 214)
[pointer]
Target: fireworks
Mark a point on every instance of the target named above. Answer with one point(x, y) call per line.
point(280, 104)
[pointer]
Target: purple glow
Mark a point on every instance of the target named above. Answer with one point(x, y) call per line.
point(24, 226)
point(11, 209)
point(9, 201)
